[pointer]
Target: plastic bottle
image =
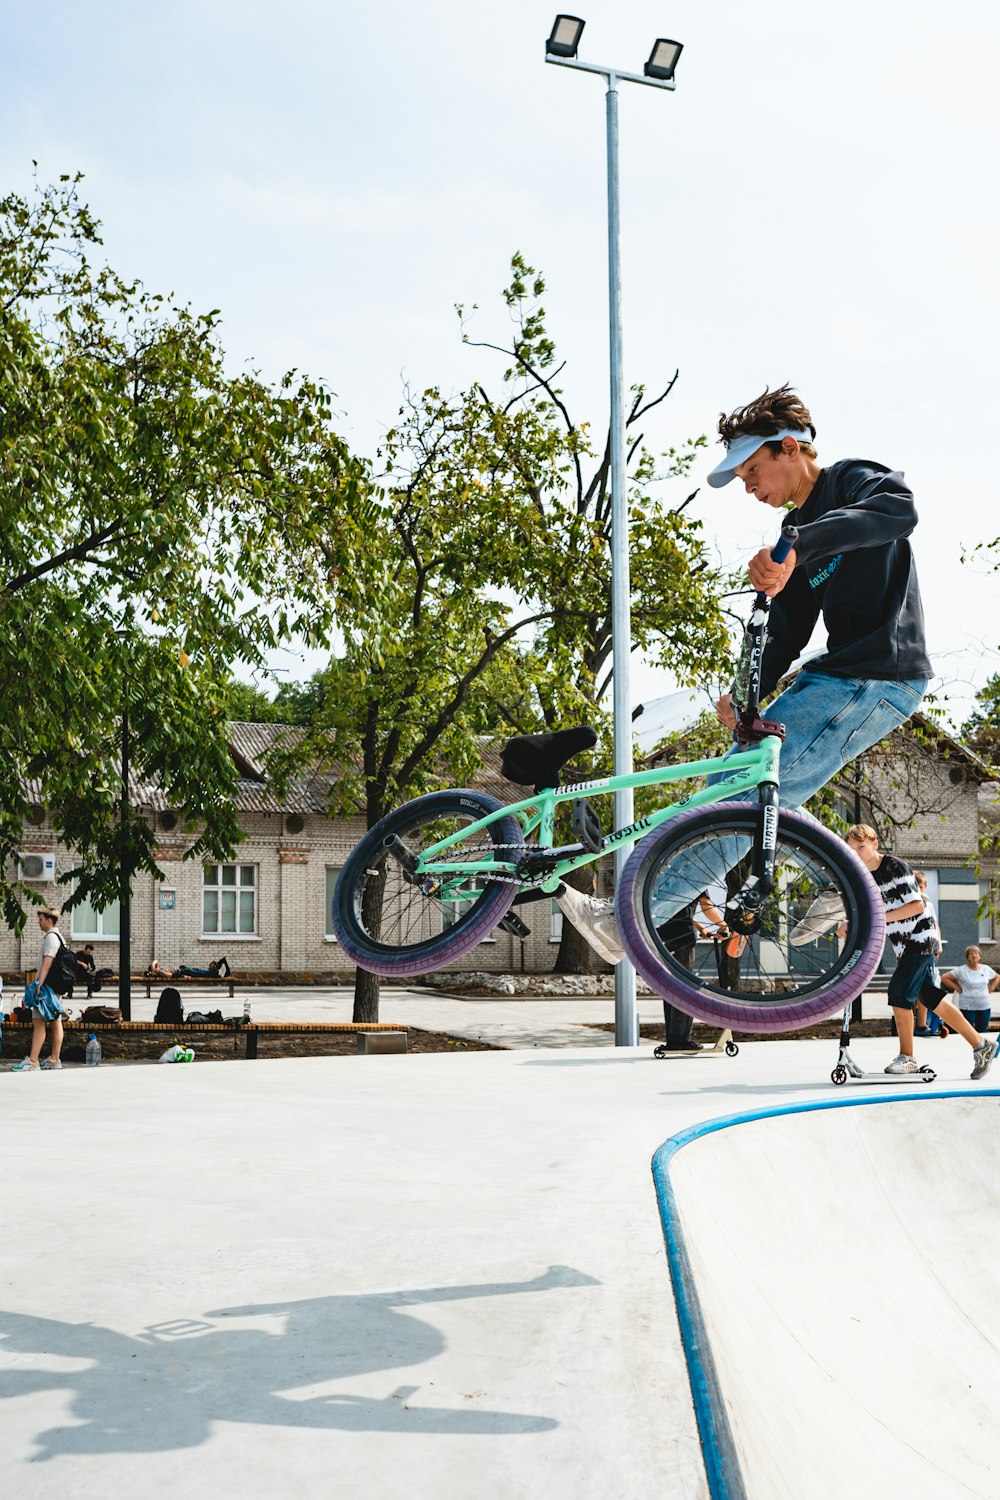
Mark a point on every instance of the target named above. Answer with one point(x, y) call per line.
point(246, 1011)
point(93, 1051)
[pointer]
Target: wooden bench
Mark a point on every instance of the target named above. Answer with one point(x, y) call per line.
point(161, 981)
point(164, 1035)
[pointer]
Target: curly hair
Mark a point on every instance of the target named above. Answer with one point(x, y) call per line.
point(768, 413)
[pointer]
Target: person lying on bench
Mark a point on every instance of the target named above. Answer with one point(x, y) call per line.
point(218, 970)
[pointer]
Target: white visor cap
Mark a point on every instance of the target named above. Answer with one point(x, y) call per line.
point(740, 448)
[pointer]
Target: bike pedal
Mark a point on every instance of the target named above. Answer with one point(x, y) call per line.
point(512, 923)
point(736, 945)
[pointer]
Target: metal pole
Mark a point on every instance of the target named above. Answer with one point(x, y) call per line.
point(626, 1021)
point(124, 883)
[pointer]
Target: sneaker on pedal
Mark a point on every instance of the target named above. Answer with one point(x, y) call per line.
point(903, 1064)
point(983, 1057)
point(594, 917)
point(825, 913)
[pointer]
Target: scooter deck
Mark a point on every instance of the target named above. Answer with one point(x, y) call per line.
point(892, 1077)
point(724, 1044)
point(848, 1071)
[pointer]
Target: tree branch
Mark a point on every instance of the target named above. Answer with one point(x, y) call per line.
point(447, 713)
point(71, 554)
point(639, 411)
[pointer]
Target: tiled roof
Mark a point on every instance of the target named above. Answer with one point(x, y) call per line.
point(251, 744)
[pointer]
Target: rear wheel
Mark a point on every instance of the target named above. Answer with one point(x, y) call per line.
point(774, 984)
point(392, 924)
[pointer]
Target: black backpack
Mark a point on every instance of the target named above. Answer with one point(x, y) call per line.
point(62, 973)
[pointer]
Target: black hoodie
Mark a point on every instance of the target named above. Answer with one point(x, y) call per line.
point(855, 565)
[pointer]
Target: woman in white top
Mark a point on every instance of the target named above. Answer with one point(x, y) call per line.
point(975, 982)
point(42, 1000)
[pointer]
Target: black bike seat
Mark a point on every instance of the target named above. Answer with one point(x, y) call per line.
point(536, 760)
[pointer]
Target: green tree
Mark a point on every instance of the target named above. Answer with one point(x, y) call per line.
point(491, 539)
point(160, 520)
point(981, 730)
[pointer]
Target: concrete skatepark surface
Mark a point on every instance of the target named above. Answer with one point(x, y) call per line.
point(845, 1259)
point(399, 1275)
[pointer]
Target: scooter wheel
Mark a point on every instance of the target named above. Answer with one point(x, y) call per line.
point(731, 1049)
point(928, 1071)
point(660, 1051)
point(839, 1074)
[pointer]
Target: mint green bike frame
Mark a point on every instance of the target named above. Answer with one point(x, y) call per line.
point(753, 767)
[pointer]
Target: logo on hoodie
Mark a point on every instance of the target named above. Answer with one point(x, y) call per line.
point(824, 573)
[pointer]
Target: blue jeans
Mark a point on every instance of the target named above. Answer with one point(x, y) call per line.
point(829, 721)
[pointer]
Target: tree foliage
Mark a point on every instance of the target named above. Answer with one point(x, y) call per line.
point(981, 730)
point(160, 520)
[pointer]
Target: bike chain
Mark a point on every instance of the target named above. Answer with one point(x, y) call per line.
point(507, 879)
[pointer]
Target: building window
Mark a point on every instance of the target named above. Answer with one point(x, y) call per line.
point(987, 922)
point(229, 899)
point(92, 925)
point(332, 875)
point(555, 922)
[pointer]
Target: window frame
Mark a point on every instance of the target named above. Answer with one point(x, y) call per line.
point(79, 935)
point(239, 886)
point(329, 936)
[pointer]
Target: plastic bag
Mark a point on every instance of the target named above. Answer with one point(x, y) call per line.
point(179, 1053)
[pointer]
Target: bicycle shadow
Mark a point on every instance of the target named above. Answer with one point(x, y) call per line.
point(166, 1387)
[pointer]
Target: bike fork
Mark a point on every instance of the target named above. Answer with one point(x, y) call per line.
point(747, 902)
point(766, 839)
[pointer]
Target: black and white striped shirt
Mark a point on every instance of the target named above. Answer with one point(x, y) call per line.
point(898, 887)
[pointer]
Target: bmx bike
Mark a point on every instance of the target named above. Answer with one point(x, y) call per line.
point(435, 877)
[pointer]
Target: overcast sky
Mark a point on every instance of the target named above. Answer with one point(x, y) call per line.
point(815, 203)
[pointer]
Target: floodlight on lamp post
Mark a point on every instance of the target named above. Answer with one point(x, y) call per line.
point(565, 37)
point(663, 59)
point(561, 48)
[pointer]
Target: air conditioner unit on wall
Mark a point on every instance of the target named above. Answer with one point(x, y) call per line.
point(37, 867)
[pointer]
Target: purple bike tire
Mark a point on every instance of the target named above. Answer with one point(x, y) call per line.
point(466, 934)
point(848, 982)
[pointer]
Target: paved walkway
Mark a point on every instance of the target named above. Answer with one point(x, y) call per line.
point(399, 1276)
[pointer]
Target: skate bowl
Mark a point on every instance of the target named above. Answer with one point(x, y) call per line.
point(834, 1267)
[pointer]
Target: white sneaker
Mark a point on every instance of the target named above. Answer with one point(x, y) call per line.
point(594, 917)
point(825, 913)
point(904, 1065)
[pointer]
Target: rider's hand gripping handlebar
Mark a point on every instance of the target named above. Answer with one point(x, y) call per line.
point(786, 541)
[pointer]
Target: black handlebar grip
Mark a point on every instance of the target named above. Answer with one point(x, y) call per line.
point(786, 541)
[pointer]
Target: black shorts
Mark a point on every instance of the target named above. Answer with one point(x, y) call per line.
point(911, 981)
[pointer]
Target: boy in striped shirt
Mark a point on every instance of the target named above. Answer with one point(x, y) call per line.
point(913, 936)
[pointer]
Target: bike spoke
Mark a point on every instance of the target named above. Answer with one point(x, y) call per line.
point(408, 913)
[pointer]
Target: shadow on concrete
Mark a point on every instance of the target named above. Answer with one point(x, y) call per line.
point(165, 1388)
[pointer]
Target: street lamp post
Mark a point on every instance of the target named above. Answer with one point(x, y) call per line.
point(124, 880)
point(561, 48)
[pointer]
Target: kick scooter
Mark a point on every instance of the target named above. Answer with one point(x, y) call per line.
point(848, 1069)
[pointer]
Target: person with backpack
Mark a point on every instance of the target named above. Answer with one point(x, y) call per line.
point(56, 972)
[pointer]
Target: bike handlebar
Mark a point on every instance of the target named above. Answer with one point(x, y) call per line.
point(786, 541)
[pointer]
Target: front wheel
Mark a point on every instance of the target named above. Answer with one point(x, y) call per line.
point(396, 924)
point(792, 969)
